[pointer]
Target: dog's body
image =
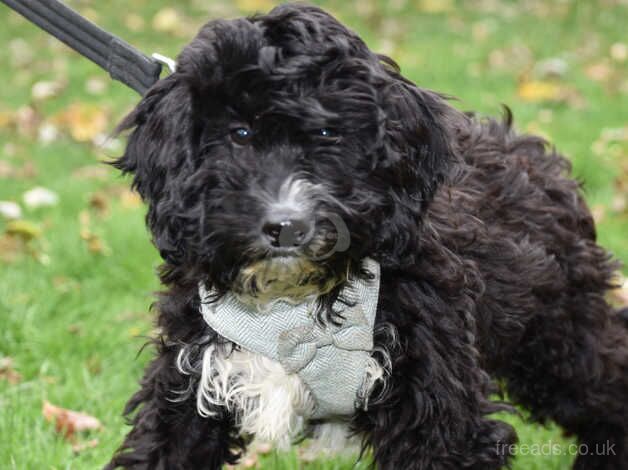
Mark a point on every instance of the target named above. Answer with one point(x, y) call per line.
point(489, 266)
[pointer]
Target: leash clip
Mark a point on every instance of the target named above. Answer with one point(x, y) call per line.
point(167, 61)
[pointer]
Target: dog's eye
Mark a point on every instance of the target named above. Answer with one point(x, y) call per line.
point(326, 132)
point(241, 135)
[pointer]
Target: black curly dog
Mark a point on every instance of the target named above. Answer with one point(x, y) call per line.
point(490, 272)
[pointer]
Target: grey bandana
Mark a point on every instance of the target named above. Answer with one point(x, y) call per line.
point(332, 360)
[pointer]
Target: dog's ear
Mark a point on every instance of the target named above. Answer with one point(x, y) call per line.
point(417, 137)
point(161, 133)
point(165, 129)
point(160, 144)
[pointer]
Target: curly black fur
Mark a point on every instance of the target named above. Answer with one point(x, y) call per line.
point(489, 261)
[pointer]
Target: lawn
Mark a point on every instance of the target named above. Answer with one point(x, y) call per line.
point(77, 274)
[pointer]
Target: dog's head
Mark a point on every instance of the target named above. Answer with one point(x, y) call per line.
point(281, 152)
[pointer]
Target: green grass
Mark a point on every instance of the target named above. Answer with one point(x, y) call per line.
point(73, 320)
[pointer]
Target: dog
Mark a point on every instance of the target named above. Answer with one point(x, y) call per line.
point(348, 256)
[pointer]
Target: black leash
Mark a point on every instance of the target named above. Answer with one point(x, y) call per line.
point(120, 59)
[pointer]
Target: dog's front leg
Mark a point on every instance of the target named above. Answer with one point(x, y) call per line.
point(431, 411)
point(168, 433)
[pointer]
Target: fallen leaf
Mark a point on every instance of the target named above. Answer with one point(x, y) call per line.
point(94, 243)
point(75, 330)
point(514, 58)
point(435, 6)
point(99, 202)
point(599, 213)
point(65, 284)
point(482, 29)
point(23, 229)
point(83, 121)
point(47, 133)
point(554, 67)
point(11, 248)
point(599, 72)
point(7, 118)
point(96, 86)
point(82, 446)
point(10, 210)
point(27, 120)
point(619, 51)
point(40, 197)
point(44, 90)
point(7, 372)
point(537, 90)
point(619, 203)
point(94, 364)
point(168, 20)
point(69, 422)
point(254, 6)
point(92, 172)
point(134, 22)
point(6, 169)
point(130, 199)
point(20, 52)
point(27, 170)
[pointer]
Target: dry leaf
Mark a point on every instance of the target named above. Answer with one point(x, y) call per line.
point(10, 210)
point(11, 248)
point(81, 446)
point(99, 202)
point(65, 284)
point(94, 243)
point(27, 121)
point(6, 169)
point(599, 72)
point(7, 372)
point(40, 197)
point(435, 6)
point(83, 121)
point(619, 51)
point(69, 422)
point(47, 133)
point(254, 6)
point(554, 67)
point(7, 119)
point(598, 212)
point(168, 20)
point(130, 199)
point(20, 52)
point(91, 172)
point(27, 170)
point(537, 90)
point(23, 229)
point(95, 86)
point(134, 22)
point(44, 90)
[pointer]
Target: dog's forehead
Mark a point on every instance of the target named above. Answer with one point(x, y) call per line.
point(292, 42)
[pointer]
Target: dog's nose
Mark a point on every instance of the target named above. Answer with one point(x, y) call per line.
point(287, 233)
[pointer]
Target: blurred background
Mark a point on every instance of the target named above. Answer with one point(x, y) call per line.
point(76, 265)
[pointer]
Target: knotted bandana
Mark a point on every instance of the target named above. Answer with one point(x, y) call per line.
point(330, 359)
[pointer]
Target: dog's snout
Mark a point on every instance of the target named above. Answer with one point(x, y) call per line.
point(287, 233)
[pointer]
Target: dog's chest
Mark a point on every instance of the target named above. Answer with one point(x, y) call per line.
point(284, 367)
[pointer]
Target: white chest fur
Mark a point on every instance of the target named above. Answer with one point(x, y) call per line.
point(267, 402)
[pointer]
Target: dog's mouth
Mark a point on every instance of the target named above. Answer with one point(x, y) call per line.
point(294, 268)
point(286, 277)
